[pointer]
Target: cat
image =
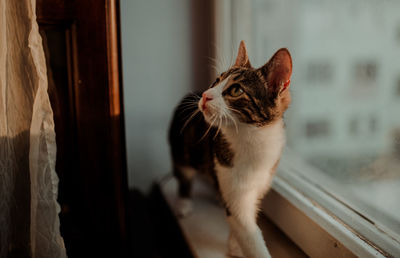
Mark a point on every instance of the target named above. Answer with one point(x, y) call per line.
point(234, 132)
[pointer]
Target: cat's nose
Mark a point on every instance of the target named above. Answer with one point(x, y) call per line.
point(206, 97)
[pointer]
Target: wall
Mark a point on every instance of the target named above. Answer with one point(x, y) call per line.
point(156, 56)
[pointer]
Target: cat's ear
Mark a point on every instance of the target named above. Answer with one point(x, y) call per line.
point(277, 71)
point(242, 59)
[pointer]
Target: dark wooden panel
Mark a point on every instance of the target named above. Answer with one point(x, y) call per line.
point(55, 10)
point(100, 128)
point(93, 184)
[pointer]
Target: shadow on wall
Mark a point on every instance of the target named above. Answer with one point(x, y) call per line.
point(166, 50)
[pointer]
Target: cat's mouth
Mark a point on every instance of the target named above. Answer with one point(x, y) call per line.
point(204, 107)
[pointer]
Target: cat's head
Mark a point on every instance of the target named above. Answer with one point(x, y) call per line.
point(243, 94)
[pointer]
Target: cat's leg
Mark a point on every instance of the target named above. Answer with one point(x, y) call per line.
point(184, 176)
point(244, 228)
point(234, 249)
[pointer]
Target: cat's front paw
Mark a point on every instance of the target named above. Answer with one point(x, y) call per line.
point(183, 207)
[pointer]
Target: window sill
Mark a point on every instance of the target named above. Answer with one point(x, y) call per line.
point(206, 230)
point(318, 231)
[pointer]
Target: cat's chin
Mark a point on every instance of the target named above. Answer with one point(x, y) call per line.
point(207, 114)
point(210, 118)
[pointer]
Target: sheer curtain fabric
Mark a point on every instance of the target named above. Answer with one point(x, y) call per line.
point(29, 224)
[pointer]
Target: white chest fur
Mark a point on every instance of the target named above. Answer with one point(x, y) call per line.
point(257, 151)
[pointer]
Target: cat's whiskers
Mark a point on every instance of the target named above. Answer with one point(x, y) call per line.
point(187, 113)
point(234, 110)
point(193, 98)
point(221, 63)
point(194, 101)
point(214, 117)
point(219, 126)
point(223, 113)
point(193, 94)
point(216, 64)
point(190, 118)
point(232, 118)
point(188, 107)
point(224, 119)
point(190, 102)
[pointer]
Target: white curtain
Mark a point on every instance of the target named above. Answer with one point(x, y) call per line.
point(29, 224)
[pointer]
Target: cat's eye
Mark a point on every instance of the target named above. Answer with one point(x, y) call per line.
point(235, 90)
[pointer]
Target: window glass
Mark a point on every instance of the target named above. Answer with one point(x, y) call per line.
point(345, 112)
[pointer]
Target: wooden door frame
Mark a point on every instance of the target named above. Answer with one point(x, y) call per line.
point(99, 117)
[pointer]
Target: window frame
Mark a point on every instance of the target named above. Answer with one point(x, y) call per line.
point(293, 197)
point(359, 234)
